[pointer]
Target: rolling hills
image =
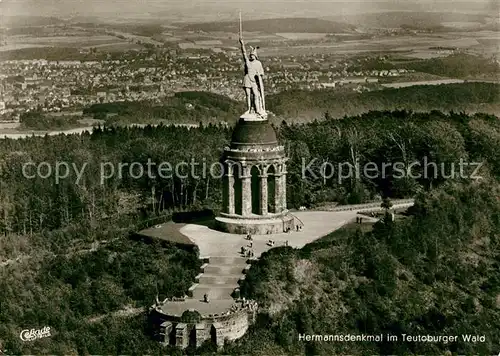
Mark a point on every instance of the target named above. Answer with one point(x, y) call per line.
point(277, 25)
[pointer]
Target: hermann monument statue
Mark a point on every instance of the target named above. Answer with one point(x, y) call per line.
point(254, 195)
point(253, 81)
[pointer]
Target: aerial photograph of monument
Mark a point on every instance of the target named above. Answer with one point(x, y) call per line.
point(293, 177)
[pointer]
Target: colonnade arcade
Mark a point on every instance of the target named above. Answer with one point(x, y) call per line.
point(255, 189)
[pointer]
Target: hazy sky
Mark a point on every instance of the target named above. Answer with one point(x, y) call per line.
point(224, 9)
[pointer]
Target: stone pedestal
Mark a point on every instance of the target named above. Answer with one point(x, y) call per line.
point(255, 152)
point(253, 116)
point(256, 225)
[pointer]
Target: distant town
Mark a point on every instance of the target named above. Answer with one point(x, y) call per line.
point(54, 86)
point(98, 63)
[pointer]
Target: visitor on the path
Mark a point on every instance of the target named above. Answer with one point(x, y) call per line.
point(205, 298)
point(286, 243)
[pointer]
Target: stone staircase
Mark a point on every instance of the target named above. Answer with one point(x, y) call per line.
point(207, 278)
point(219, 277)
point(224, 270)
point(214, 292)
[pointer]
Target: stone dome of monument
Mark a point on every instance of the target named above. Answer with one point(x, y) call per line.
point(258, 132)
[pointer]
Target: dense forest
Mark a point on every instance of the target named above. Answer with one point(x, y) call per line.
point(458, 66)
point(303, 106)
point(42, 122)
point(468, 97)
point(59, 238)
point(434, 273)
point(182, 108)
point(93, 297)
point(297, 106)
point(97, 188)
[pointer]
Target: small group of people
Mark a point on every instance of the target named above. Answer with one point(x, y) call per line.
point(247, 251)
point(359, 220)
point(270, 243)
point(297, 228)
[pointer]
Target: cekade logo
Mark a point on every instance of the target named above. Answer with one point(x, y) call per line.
point(33, 334)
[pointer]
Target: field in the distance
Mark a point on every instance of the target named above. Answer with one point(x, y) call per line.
point(77, 41)
point(424, 45)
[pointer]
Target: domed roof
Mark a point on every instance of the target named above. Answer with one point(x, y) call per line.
point(253, 133)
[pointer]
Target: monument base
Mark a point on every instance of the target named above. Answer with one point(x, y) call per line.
point(253, 116)
point(256, 224)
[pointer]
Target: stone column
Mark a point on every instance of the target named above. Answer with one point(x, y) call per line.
point(263, 194)
point(283, 191)
point(181, 337)
point(278, 199)
point(220, 339)
point(201, 334)
point(246, 195)
point(165, 330)
point(230, 193)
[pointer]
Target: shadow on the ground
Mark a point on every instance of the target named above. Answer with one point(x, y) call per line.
point(193, 217)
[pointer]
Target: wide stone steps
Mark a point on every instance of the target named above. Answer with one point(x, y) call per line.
point(214, 292)
point(219, 279)
point(224, 270)
point(227, 260)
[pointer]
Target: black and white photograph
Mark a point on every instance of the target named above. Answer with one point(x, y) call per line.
point(250, 177)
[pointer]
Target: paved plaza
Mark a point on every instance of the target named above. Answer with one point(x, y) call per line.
point(316, 224)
